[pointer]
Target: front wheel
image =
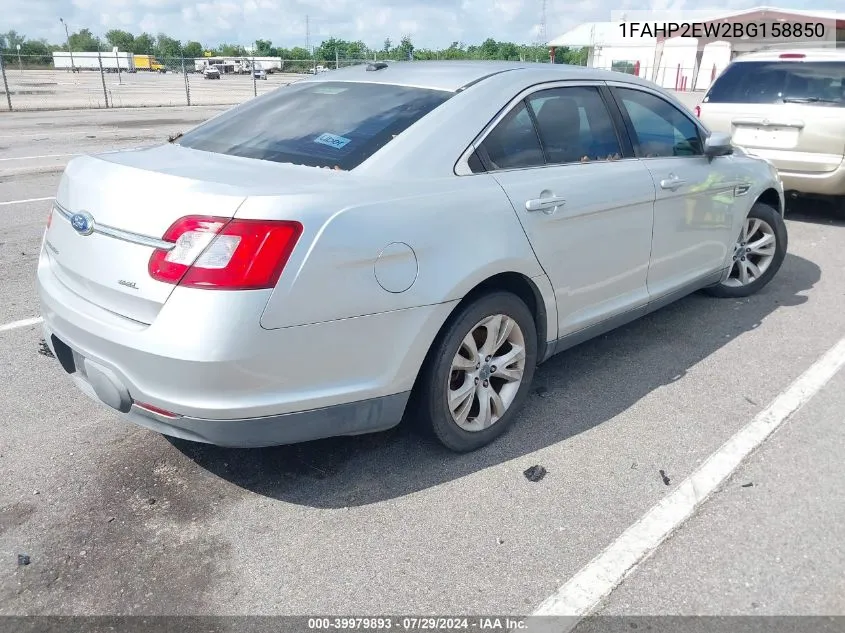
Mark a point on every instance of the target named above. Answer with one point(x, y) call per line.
point(479, 372)
point(757, 255)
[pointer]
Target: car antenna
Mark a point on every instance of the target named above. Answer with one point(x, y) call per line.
point(174, 137)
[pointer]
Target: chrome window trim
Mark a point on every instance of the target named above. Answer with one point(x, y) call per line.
point(120, 234)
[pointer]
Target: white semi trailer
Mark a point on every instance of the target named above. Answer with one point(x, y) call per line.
point(91, 61)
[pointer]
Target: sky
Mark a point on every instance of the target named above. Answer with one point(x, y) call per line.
point(430, 23)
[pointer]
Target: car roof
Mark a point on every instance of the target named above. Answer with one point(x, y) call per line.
point(455, 75)
point(795, 54)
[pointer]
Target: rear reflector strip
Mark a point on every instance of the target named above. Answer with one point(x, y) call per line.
point(156, 410)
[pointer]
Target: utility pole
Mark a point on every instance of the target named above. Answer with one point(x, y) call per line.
point(67, 35)
point(307, 35)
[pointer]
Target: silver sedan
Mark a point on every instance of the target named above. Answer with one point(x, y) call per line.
point(388, 241)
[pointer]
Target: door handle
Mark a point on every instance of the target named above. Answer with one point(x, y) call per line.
point(544, 203)
point(672, 182)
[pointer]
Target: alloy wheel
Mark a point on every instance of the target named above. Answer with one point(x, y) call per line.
point(753, 253)
point(486, 373)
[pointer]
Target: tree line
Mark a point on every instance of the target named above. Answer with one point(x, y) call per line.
point(164, 47)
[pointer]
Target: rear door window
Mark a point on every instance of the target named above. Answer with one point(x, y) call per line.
point(772, 82)
point(336, 125)
point(513, 143)
point(574, 125)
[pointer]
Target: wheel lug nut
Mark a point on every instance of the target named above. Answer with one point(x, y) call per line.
point(487, 360)
point(486, 384)
point(742, 258)
point(747, 250)
point(476, 381)
point(493, 368)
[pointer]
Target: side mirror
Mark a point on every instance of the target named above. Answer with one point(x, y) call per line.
point(718, 144)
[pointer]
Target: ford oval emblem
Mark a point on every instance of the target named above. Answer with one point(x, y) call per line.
point(82, 223)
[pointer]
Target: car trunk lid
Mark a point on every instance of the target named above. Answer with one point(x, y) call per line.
point(130, 199)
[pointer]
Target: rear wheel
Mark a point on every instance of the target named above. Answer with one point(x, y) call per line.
point(757, 255)
point(479, 372)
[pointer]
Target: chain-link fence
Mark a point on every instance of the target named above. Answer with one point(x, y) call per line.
point(106, 80)
point(122, 80)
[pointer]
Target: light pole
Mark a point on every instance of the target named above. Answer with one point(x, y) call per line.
point(20, 66)
point(67, 35)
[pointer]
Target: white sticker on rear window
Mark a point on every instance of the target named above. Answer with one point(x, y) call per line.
point(332, 140)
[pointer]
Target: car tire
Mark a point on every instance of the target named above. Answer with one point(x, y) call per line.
point(763, 221)
point(440, 379)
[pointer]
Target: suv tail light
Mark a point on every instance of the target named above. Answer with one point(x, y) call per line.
point(698, 111)
point(223, 254)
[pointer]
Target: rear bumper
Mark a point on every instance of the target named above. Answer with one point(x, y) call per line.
point(207, 371)
point(102, 385)
point(821, 183)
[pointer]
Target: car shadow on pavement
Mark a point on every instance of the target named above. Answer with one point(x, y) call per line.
point(570, 395)
point(813, 211)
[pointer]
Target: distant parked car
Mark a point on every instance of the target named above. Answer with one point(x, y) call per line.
point(787, 106)
point(212, 72)
point(259, 73)
point(394, 239)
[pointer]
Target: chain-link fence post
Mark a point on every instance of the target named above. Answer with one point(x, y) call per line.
point(103, 78)
point(336, 58)
point(187, 83)
point(254, 80)
point(5, 83)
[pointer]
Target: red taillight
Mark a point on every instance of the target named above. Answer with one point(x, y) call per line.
point(698, 112)
point(792, 55)
point(222, 254)
point(50, 218)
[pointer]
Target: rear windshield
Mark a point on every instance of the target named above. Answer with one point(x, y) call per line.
point(320, 124)
point(815, 83)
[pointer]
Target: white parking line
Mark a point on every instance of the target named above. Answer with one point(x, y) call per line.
point(581, 594)
point(41, 156)
point(3, 204)
point(16, 324)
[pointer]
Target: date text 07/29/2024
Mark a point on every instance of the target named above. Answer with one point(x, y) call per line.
point(725, 30)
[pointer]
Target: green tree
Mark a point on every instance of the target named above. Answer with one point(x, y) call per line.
point(84, 41)
point(405, 50)
point(193, 49)
point(11, 39)
point(144, 44)
point(388, 45)
point(489, 49)
point(231, 50)
point(124, 40)
point(167, 47)
point(263, 48)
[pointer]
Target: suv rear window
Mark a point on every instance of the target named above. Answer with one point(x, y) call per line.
point(815, 83)
point(320, 124)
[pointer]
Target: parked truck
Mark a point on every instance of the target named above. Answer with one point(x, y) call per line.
point(62, 60)
point(150, 63)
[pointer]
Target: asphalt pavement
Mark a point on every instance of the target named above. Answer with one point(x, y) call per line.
point(115, 519)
